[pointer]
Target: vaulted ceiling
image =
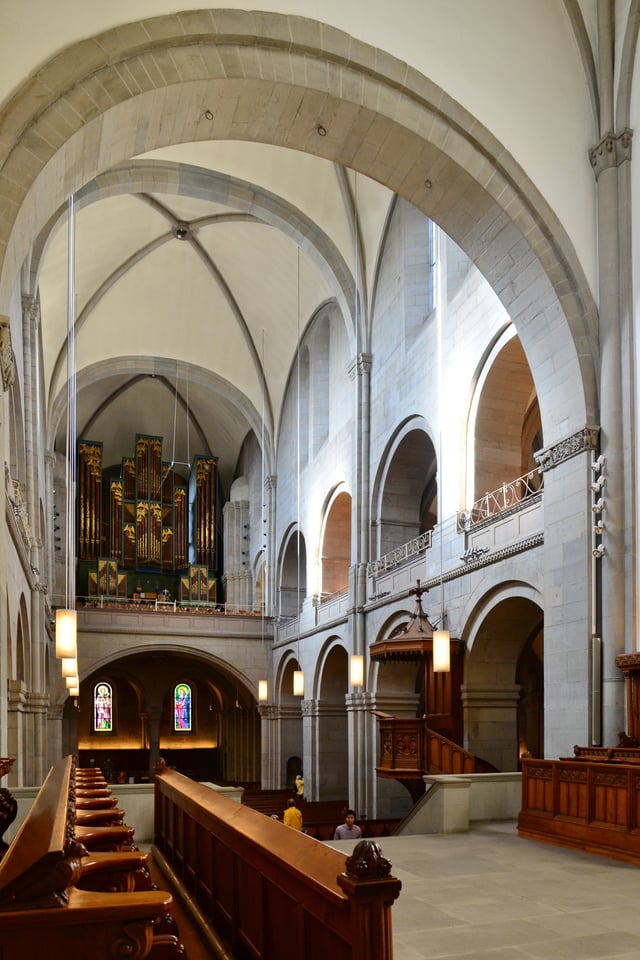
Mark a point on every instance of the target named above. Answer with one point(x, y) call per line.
point(196, 269)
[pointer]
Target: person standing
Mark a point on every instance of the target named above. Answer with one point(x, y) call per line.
point(300, 786)
point(292, 816)
point(349, 830)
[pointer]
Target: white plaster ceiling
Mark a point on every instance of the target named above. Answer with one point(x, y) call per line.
point(172, 335)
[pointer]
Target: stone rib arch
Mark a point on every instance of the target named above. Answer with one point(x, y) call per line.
point(489, 596)
point(474, 190)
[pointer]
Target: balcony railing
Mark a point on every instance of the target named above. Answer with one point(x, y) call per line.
point(401, 554)
point(506, 498)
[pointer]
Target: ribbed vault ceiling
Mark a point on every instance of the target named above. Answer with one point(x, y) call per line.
point(196, 269)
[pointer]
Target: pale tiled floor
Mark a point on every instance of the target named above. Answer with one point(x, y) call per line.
point(490, 895)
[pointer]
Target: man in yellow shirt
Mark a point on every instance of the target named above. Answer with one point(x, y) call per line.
point(292, 816)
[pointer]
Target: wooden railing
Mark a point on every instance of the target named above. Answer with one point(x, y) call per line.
point(588, 805)
point(410, 749)
point(265, 891)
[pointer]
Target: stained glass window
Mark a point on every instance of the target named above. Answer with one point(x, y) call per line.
point(182, 707)
point(102, 708)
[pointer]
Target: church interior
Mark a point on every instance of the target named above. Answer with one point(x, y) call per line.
point(317, 344)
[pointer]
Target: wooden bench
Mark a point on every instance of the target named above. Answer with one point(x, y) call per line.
point(44, 913)
point(265, 892)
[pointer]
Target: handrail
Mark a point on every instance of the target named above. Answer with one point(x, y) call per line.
point(413, 548)
point(507, 497)
point(266, 890)
point(158, 605)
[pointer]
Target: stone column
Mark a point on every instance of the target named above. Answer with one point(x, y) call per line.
point(361, 735)
point(610, 160)
point(153, 727)
point(490, 722)
point(270, 765)
point(16, 740)
point(269, 544)
point(7, 373)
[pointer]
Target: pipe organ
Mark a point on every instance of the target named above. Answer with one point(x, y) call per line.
point(137, 518)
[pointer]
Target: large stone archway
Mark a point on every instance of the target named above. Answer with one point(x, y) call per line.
point(120, 97)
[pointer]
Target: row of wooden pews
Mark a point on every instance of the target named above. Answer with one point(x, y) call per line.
point(73, 884)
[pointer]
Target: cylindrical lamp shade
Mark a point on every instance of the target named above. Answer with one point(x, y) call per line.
point(441, 651)
point(69, 667)
point(298, 683)
point(66, 633)
point(72, 682)
point(263, 690)
point(357, 670)
point(74, 691)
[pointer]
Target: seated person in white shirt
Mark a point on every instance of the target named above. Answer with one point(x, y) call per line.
point(349, 830)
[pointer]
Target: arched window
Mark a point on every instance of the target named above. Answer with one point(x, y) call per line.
point(102, 708)
point(182, 707)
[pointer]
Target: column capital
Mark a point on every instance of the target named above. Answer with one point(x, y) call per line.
point(360, 365)
point(31, 308)
point(611, 151)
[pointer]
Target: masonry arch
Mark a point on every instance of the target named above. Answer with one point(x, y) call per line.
point(502, 211)
point(505, 425)
point(292, 586)
point(335, 551)
point(224, 740)
point(405, 492)
point(503, 692)
point(332, 728)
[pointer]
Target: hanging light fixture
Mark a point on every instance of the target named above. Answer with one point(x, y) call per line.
point(298, 683)
point(72, 682)
point(441, 651)
point(356, 670)
point(66, 634)
point(263, 691)
point(66, 620)
point(69, 667)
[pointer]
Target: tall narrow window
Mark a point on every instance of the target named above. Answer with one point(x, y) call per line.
point(102, 708)
point(182, 707)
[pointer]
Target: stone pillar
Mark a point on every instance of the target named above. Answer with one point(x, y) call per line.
point(331, 747)
point(361, 734)
point(7, 373)
point(270, 763)
point(610, 160)
point(237, 547)
point(491, 722)
point(153, 722)
point(269, 544)
point(568, 613)
point(18, 746)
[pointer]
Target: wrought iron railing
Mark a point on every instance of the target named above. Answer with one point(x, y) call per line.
point(401, 554)
point(508, 497)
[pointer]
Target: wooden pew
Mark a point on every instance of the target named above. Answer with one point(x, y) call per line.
point(264, 891)
point(43, 913)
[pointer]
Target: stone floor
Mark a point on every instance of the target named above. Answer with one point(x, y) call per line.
point(490, 895)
